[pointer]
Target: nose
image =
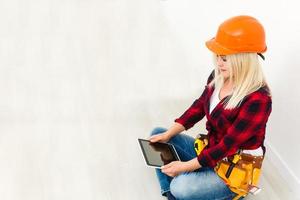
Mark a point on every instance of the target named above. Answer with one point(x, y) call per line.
point(220, 62)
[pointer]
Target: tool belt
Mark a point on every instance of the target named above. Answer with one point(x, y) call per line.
point(240, 171)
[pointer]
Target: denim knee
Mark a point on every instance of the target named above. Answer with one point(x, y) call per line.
point(158, 130)
point(182, 188)
point(191, 186)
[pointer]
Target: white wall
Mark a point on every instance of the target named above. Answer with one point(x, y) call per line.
point(197, 21)
point(79, 82)
point(82, 78)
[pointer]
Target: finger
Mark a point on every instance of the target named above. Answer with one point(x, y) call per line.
point(151, 137)
point(167, 165)
point(168, 172)
point(154, 138)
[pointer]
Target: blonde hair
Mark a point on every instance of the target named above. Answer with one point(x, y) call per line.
point(244, 72)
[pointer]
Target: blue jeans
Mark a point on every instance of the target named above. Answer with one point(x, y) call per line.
point(202, 184)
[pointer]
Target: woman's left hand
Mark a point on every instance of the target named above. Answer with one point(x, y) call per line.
point(174, 168)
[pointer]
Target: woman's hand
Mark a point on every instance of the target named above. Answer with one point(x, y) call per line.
point(174, 168)
point(162, 137)
point(167, 135)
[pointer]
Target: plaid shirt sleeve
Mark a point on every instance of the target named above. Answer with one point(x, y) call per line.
point(249, 124)
point(196, 111)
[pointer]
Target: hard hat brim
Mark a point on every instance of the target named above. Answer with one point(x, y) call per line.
point(217, 48)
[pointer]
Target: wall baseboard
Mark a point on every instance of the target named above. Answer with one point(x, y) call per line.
point(283, 168)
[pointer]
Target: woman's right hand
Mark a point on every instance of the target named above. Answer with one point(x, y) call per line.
point(162, 137)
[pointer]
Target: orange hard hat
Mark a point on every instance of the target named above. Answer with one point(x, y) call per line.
point(238, 34)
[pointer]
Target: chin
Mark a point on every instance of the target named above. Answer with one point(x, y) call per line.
point(225, 76)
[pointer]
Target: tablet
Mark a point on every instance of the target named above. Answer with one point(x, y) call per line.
point(158, 154)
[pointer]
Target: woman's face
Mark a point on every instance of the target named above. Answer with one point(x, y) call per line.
point(223, 66)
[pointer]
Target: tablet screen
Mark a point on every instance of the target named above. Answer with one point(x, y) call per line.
point(158, 154)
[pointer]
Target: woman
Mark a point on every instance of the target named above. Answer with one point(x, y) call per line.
point(236, 102)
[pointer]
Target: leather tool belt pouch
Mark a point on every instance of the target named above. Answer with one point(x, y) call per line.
point(240, 172)
point(243, 176)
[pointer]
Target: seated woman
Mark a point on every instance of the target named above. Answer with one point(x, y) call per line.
point(236, 102)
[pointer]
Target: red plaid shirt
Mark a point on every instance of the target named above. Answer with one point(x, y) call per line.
point(229, 130)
